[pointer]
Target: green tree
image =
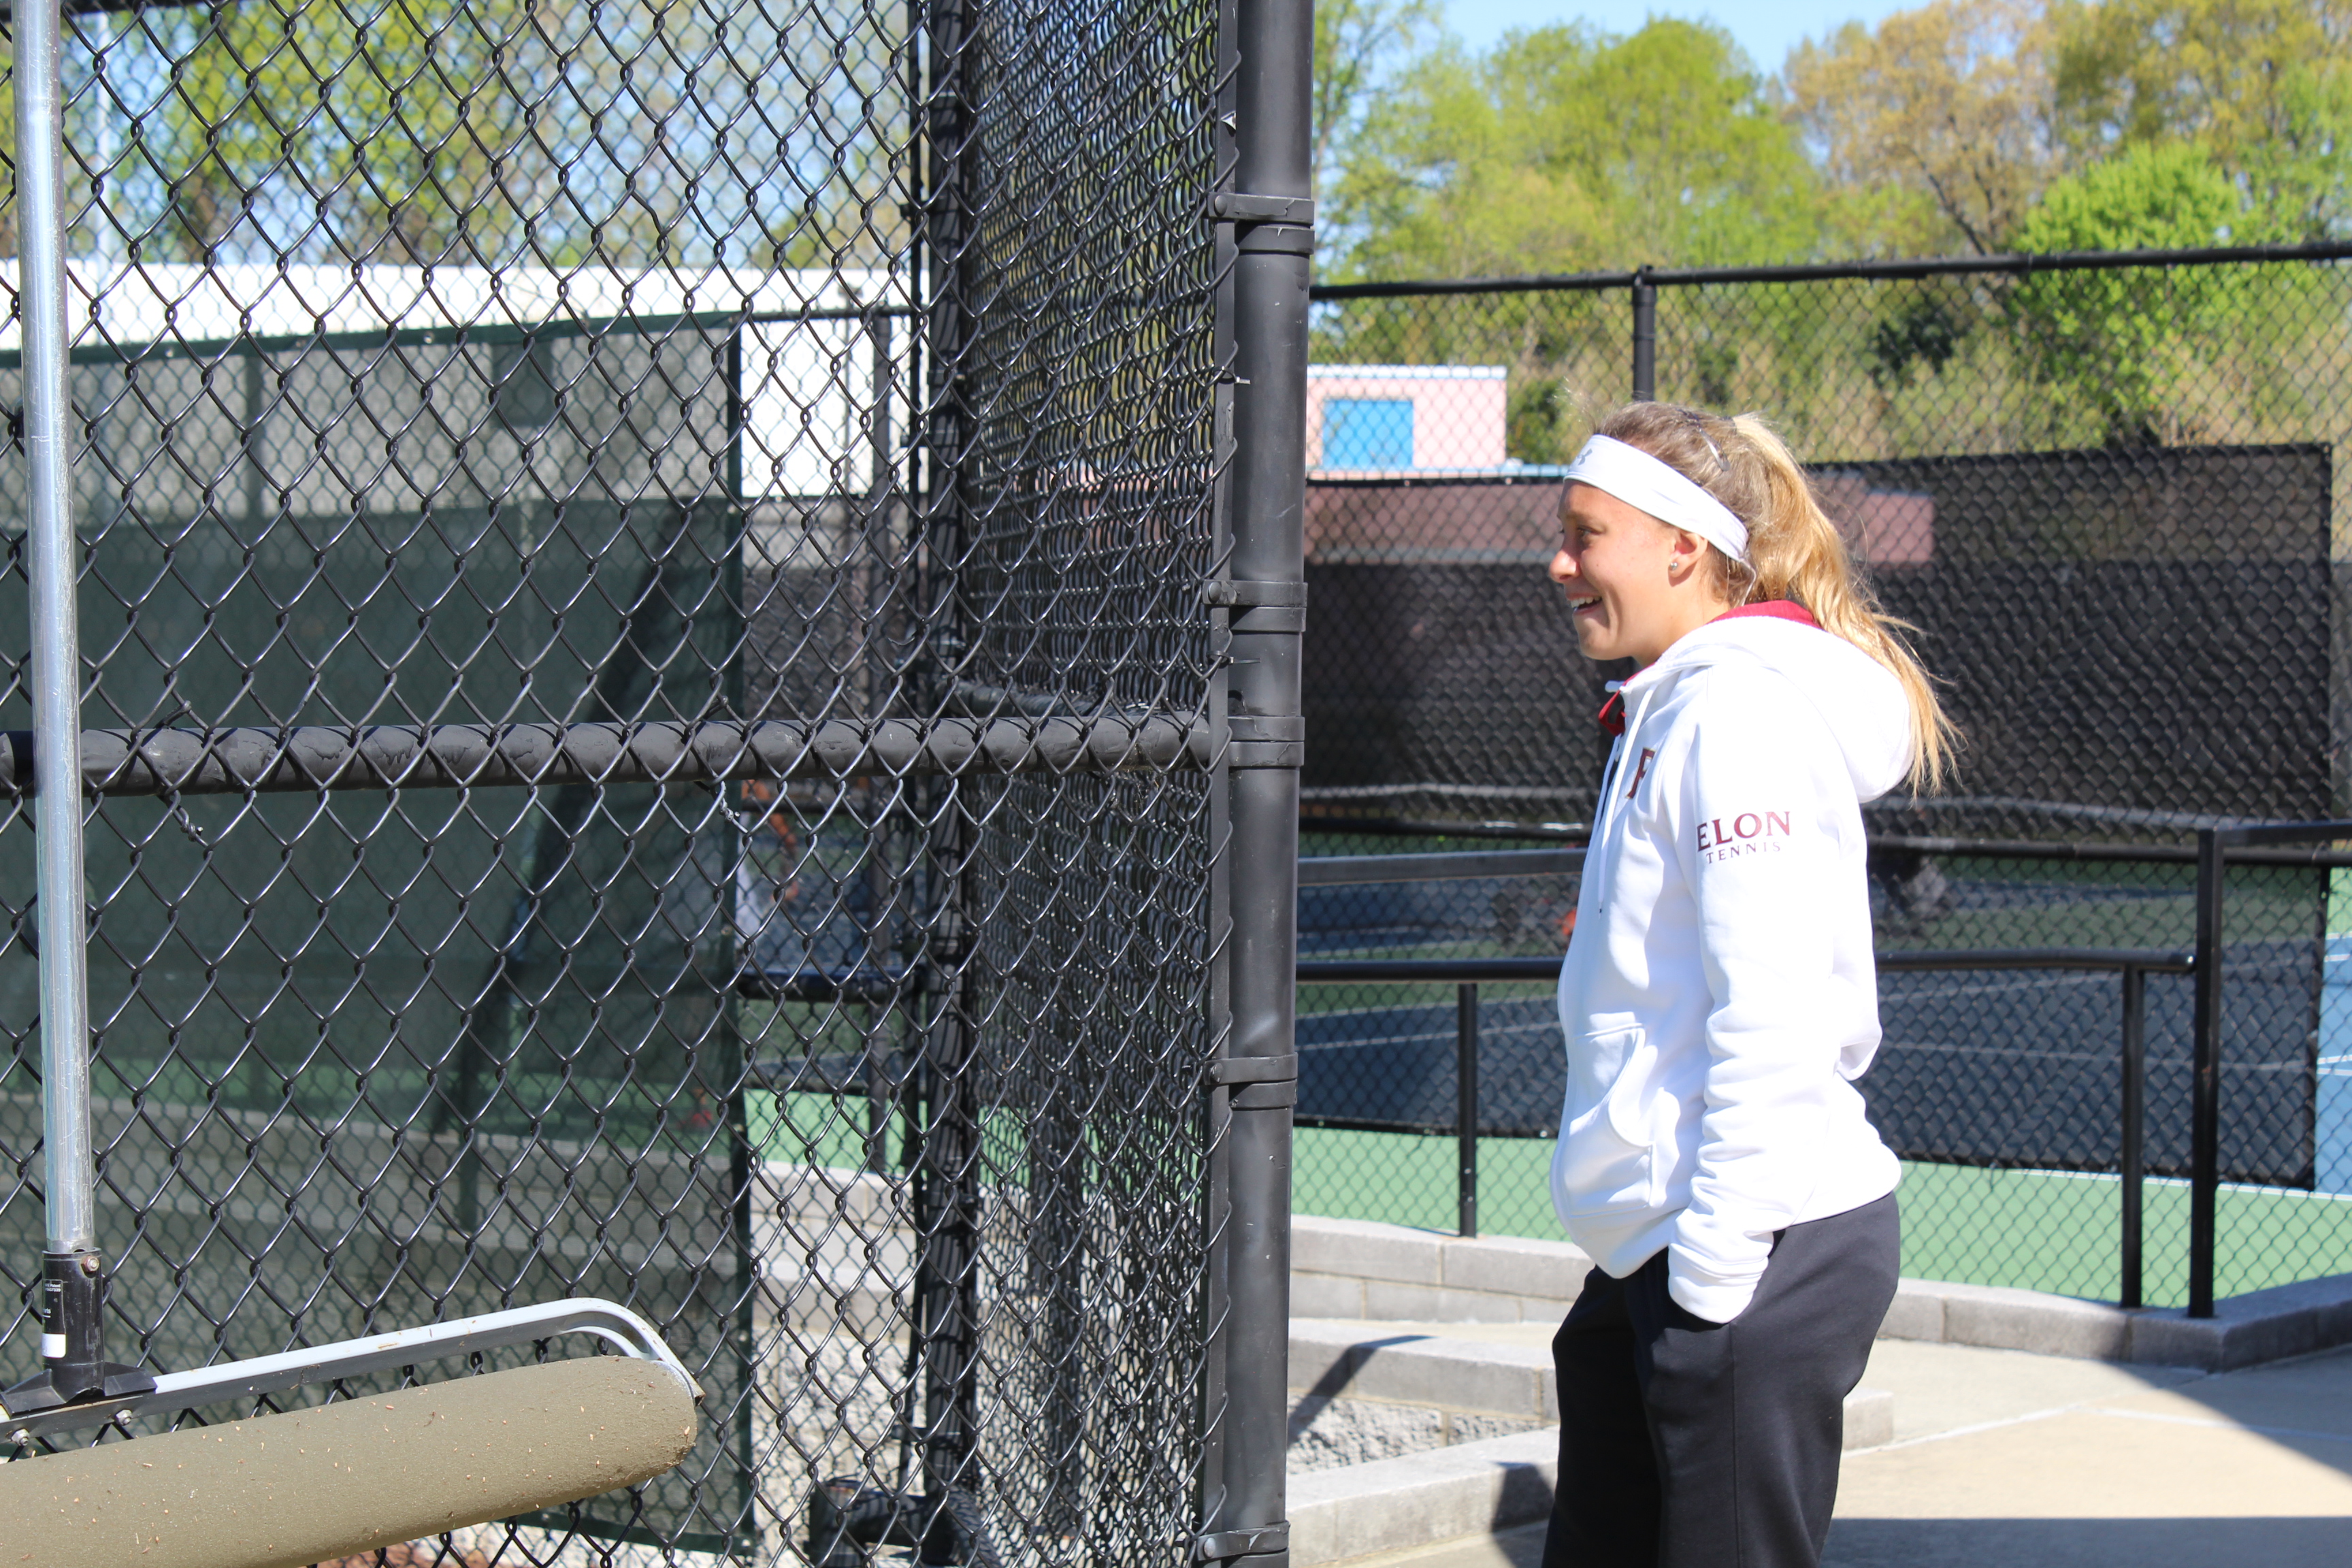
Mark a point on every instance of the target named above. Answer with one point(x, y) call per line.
point(1357, 44)
point(1936, 127)
point(2263, 86)
point(2131, 346)
point(409, 131)
point(1564, 148)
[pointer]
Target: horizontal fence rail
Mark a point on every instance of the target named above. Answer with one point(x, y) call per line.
point(1577, 833)
point(1361, 870)
point(1904, 269)
point(450, 757)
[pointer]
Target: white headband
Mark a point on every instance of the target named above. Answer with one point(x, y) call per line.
point(1638, 479)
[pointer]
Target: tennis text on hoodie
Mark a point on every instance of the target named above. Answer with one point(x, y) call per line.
point(1746, 833)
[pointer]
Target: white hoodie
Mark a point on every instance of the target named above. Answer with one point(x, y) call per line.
point(1718, 996)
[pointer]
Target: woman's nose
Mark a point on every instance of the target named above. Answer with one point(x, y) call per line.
point(1563, 567)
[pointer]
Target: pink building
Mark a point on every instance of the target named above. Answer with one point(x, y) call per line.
point(1383, 418)
point(1886, 528)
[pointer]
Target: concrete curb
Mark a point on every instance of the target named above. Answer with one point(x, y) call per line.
point(1337, 1360)
point(1416, 1499)
point(1363, 1268)
point(2244, 1330)
point(1360, 1268)
point(1471, 1489)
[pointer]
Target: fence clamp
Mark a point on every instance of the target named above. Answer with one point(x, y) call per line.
point(1238, 206)
point(1262, 606)
point(1281, 225)
point(1251, 1543)
point(1259, 1083)
point(1266, 741)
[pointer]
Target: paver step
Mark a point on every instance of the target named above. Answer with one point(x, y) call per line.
point(1437, 1493)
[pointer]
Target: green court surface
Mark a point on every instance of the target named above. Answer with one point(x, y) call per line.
point(2039, 1230)
point(2035, 1229)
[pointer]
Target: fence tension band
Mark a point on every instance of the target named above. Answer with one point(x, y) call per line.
point(1259, 1083)
point(1267, 740)
point(1266, 225)
point(1253, 1542)
point(1262, 606)
point(1241, 207)
point(1279, 607)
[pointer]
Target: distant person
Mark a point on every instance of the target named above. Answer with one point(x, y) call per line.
point(1719, 998)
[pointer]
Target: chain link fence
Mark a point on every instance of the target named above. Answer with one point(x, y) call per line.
point(646, 690)
point(2108, 491)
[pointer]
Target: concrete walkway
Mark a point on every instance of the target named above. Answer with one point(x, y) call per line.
point(2003, 1459)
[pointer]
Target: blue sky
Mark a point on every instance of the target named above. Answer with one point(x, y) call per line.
point(1767, 31)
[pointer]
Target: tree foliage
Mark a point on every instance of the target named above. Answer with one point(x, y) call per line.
point(414, 132)
point(1357, 45)
point(1564, 148)
point(1935, 126)
point(2263, 87)
point(2121, 343)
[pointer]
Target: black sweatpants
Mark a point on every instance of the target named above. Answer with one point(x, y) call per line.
point(1686, 1443)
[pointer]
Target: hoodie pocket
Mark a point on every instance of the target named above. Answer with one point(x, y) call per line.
point(1605, 1164)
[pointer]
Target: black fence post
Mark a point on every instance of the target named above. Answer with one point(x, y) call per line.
point(946, 1162)
point(2131, 1159)
point(1645, 337)
point(1466, 1109)
point(2205, 1106)
point(1266, 206)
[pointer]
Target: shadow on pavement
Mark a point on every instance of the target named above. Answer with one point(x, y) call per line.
point(2087, 1542)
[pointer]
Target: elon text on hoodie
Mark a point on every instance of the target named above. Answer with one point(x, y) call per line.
point(1718, 996)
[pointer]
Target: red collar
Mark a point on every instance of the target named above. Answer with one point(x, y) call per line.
point(1779, 609)
point(1612, 716)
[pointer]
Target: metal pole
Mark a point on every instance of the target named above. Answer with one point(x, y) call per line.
point(2131, 1159)
point(1465, 1108)
point(73, 1281)
point(947, 1167)
point(50, 569)
point(2205, 1119)
point(1267, 210)
point(1645, 338)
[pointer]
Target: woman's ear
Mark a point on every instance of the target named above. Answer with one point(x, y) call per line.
point(1683, 550)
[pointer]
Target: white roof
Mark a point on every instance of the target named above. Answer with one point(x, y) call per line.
point(125, 304)
point(1408, 372)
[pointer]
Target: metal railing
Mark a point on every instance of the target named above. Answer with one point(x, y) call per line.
point(2215, 849)
point(1642, 283)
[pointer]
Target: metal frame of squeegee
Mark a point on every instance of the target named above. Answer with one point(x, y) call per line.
point(178, 1391)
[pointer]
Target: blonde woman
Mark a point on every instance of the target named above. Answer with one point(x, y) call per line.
point(1719, 999)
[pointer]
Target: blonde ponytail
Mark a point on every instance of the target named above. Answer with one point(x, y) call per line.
point(1794, 551)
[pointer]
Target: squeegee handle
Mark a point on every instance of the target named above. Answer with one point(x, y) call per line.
point(73, 1275)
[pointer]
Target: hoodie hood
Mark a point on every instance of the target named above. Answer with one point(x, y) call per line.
point(1859, 699)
